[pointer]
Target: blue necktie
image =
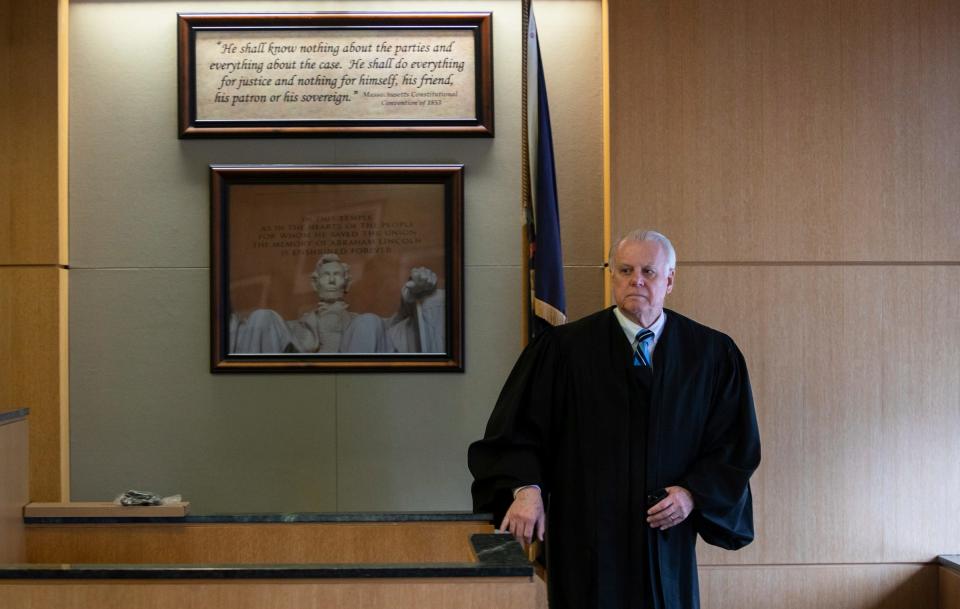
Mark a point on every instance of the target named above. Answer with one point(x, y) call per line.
point(641, 351)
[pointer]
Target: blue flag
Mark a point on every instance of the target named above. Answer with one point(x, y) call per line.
point(548, 300)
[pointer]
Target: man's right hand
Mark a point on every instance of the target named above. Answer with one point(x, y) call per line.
point(525, 518)
point(422, 283)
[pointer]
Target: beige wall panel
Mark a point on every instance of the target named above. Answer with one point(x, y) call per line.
point(949, 589)
point(30, 327)
point(781, 131)
point(140, 247)
point(881, 586)
point(29, 204)
point(147, 414)
point(473, 593)
point(14, 489)
point(569, 33)
point(254, 543)
point(858, 394)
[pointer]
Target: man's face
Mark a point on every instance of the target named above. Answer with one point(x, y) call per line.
point(641, 280)
point(329, 281)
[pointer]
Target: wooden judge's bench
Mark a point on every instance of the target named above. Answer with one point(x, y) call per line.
point(106, 556)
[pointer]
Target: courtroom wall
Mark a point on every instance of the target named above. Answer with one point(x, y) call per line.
point(805, 158)
point(146, 412)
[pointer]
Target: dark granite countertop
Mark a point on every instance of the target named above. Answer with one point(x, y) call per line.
point(12, 415)
point(951, 561)
point(295, 517)
point(497, 556)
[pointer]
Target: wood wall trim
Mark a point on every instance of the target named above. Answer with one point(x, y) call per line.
point(32, 327)
point(63, 131)
point(59, 477)
point(33, 242)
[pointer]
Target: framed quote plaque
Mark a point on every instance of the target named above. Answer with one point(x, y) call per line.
point(336, 268)
point(335, 74)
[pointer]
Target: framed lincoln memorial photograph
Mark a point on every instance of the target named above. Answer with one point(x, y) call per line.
point(335, 74)
point(336, 268)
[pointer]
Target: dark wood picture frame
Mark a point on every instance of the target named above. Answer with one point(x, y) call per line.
point(271, 225)
point(313, 123)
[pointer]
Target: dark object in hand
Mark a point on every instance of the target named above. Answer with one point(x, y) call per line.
point(656, 497)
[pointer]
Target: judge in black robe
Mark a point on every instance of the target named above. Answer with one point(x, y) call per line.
point(597, 435)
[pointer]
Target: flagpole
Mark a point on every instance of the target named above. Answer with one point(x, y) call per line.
point(605, 54)
point(525, 285)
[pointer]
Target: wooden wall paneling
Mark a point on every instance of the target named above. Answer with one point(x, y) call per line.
point(14, 487)
point(32, 311)
point(882, 151)
point(880, 586)
point(940, 117)
point(718, 134)
point(799, 205)
point(29, 96)
point(779, 131)
point(920, 387)
point(802, 515)
point(644, 113)
point(253, 543)
point(584, 286)
point(949, 588)
point(472, 593)
point(858, 397)
point(720, 131)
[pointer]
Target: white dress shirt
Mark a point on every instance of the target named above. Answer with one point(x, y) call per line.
point(630, 328)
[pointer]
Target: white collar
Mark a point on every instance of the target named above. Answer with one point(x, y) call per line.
point(630, 328)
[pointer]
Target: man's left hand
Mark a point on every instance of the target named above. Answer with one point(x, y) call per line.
point(672, 510)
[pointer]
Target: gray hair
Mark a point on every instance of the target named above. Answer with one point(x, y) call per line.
point(646, 235)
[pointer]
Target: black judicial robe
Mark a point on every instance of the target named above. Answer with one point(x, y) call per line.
point(575, 418)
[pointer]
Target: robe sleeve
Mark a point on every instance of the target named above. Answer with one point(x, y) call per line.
point(730, 453)
point(514, 449)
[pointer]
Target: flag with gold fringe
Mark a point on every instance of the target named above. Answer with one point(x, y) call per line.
point(547, 298)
